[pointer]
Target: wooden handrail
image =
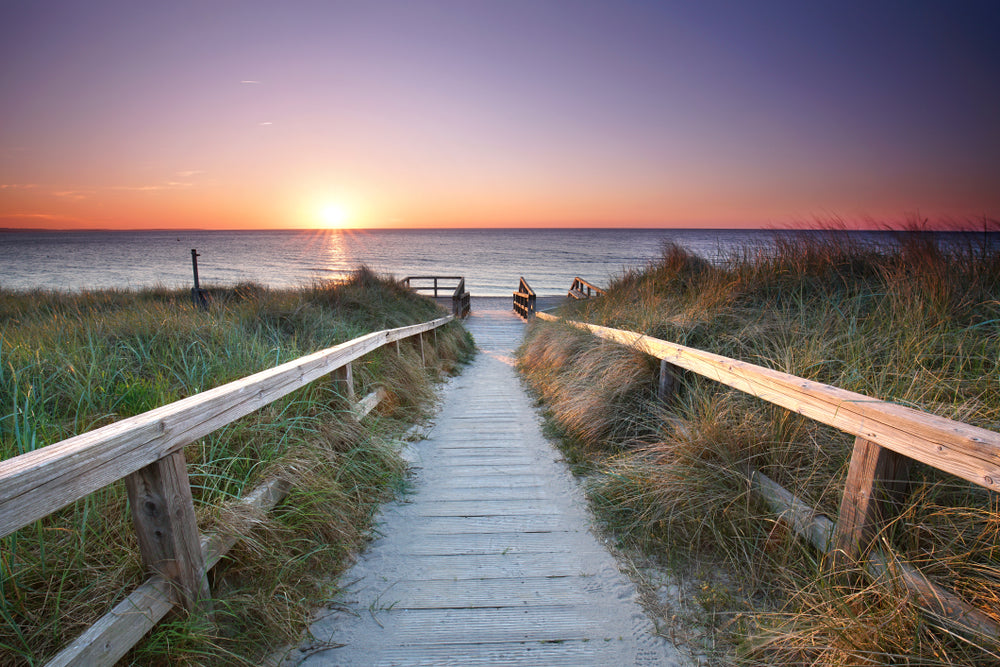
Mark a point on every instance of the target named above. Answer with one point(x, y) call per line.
point(524, 300)
point(888, 435)
point(147, 452)
point(581, 289)
point(111, 637)
point(461, 300)
point(408, 280)
point(967, 451)
point(37, 483)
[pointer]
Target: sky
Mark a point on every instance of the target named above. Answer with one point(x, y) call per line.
point(222, 114)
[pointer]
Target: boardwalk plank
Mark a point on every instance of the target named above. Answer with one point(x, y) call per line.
point(490, 560)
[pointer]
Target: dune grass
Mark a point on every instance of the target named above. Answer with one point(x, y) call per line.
point(72, 362)
point(911, 322)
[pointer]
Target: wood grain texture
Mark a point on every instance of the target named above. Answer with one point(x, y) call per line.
point(820, 531)
point(111, 637)
point(40, 482)
point(875, 478)
point(163, 516)
point(343, 382)
point(368, 403)
point(963, 450)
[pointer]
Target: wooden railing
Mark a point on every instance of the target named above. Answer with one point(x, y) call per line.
point(524, 300)
point(581, 289)
point(460, 299)
point(147, 452)
point(887, 438)
point(436, 283)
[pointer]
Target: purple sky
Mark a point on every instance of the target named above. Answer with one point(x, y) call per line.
point(504, 113)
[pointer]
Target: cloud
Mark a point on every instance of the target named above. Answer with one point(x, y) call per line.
point(154, 187)
point(189, 173)
point(266, 122)
point(250, 81)
point(18, 186)
point(73, 194)
point(54, 217)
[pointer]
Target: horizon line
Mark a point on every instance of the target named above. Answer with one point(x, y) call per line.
point(987, 225)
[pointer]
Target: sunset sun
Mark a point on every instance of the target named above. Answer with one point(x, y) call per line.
point(334, 215)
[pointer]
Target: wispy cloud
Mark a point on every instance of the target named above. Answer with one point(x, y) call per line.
point(153, 187)
point(189, 173)
point(50, 217)
point(266, 122)
point(18, 186)
point(250, 81)
point(73, 194)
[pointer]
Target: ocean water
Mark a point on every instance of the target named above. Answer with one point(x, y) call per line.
point(491, 260)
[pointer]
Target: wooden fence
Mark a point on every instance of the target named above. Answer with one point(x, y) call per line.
point(524, 300)
point(460, 298)
point(147, 452)
point(581, 289)
point(887, 438)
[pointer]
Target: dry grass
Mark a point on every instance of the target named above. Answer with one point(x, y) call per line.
point(69, 363)
point(913, 322)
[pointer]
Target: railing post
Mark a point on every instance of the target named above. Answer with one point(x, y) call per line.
point(877, 479)
point(668, 381)
point(343, 382)
point(163, 515)
point(435, 287)
point(423, 361)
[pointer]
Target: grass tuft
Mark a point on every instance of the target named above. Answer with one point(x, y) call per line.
point(915, 322)
point(72, 362)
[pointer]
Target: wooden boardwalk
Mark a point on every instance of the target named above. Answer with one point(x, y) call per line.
point(490, 559)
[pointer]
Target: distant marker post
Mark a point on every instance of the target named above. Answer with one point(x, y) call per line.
point(197, 294)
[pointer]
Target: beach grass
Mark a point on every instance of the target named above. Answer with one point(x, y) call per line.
point(70, 363)
point(912, 322)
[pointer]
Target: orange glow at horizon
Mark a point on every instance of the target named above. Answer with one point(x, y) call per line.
point(494, 115)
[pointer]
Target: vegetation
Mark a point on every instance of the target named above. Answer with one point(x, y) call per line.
point(73, 362)
point(912, 322)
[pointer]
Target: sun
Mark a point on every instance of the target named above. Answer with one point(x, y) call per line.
point(334, 215)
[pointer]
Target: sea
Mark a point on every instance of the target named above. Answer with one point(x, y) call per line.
point(491, 260)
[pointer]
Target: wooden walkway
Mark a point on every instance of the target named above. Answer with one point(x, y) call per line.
point(490, 559)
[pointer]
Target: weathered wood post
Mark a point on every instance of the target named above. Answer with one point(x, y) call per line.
point(197, 294)
point(668, 381)
point(343, 382)
point(164, 519)
point(423, 360)
point(435, 287)
point(877, 480)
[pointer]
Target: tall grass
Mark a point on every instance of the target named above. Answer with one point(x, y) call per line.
point(910, 322)
point(73, 362)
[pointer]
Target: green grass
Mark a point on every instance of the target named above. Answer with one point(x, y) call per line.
point(72, 362)
point(908, 323)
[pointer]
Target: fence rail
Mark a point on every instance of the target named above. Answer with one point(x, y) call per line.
point(147, 452)
point(887, 437)
point(581, 289)
point(460, 298)
point(524, 300)
point(437, 283)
